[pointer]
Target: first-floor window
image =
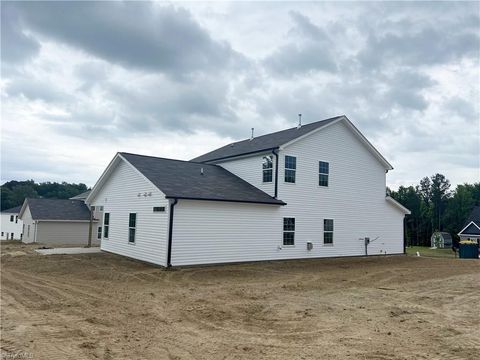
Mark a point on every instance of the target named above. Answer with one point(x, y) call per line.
point(328, 231)
point(99, 232)
point(288, 231)
point(2, 233)
point(132, 225)
point(28, 230)
point(106, 225)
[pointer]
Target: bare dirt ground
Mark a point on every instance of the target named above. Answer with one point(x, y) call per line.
point(103, 306)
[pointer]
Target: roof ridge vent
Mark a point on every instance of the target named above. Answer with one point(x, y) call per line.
point(299, 121)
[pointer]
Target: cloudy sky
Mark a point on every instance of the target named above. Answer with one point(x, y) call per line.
point(81, 81)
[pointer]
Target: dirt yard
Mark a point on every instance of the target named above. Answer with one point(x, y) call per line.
point(103, 306)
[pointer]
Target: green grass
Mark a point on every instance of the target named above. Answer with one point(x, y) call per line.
point(426, 251)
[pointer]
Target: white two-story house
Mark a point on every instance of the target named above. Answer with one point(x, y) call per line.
point(312, 191)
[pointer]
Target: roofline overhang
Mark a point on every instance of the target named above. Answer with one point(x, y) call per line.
point(239, 155)
point(281, 203)
point(63, 220)
point(470, 223)
point(398, 205)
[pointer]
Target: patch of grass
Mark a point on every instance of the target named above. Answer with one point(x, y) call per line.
point(426, 251)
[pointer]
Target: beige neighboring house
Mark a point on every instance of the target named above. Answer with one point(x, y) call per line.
point(56, 222)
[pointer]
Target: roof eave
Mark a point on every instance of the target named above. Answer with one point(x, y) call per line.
point(278, 203)
point(398, 205)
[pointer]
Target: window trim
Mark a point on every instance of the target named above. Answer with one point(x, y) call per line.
point(288, 231)
point(329, 232)
point(106, 225)
point(285, 169)
point(327, 174)
point(134, 228)
point(269, 169)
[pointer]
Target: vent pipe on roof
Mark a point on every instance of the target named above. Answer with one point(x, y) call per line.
point(299, 121)
point(251, 137)
point(201, 171)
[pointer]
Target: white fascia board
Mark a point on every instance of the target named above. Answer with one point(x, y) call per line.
point(102, 178)
point(398, 205)
point(140, 173)
point(22, 210)
point(357, 132)
point(470, 223)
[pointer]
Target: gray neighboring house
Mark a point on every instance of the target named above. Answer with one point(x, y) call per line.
point(471, 228)
point(56, 222)
point(81, 196)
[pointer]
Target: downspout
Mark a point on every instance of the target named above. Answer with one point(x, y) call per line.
point(275, 152)
point(170, 233)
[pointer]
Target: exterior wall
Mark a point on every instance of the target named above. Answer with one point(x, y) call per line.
point(215, 232)
point(63, 233)
point(207, 232)
point(11, 227)
point(119, 197)
point(250, 170)
point(29, 226)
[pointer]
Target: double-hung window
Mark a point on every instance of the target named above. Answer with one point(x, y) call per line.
point(11, 218)
point(267, 168)
point(323, 172)
point(288, 231)
point(290, 168)
point(132, 226)
point(327, 231)
point(99, 232)
point(106, 224)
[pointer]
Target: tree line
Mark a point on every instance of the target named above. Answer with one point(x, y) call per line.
point(435, 206)
point(14, 192)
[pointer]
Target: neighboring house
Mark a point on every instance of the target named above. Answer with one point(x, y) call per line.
point(11, 224)
point(312, 191)
point(81, 196)
point(471, 228)
point(56, 222)
point(440, 239)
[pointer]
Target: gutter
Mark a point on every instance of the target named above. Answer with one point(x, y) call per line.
point(170, 233)
point(275, 152)
point(234, 156)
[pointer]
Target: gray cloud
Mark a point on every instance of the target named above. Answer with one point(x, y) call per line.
point(16, 45)
point(139, 35)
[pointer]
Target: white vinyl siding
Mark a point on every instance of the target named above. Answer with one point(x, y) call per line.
point(9, 227)
point(250, 170)
point(120, 196)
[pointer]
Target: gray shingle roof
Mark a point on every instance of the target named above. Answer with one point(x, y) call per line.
point(261, 143)
point(183, 179)
point(14, 210)
point(475, 217)
point(58, 209)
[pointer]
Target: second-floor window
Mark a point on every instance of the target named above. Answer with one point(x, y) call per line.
point(323, 172)
point(11, 218)
point(290, 168)
point(267, 168)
